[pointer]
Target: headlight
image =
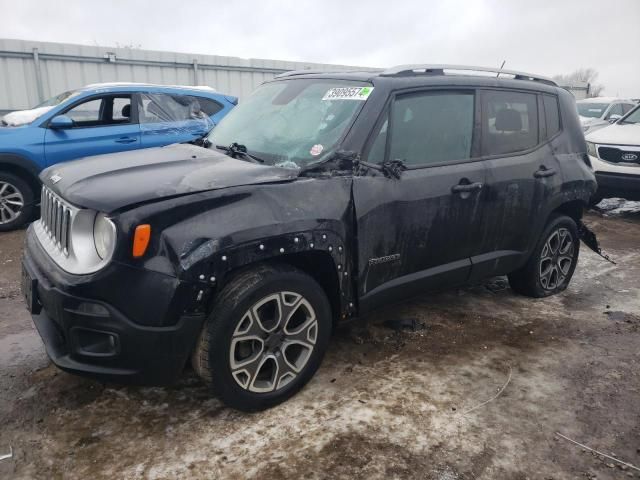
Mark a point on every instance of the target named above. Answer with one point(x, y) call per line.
point(592, 150)
point(104, 235)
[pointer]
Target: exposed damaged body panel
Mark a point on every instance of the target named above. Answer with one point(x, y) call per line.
point(212, 234)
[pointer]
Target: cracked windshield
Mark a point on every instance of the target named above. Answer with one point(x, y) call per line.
point(293, 123)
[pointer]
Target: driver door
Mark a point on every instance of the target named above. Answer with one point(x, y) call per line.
point(416, 233)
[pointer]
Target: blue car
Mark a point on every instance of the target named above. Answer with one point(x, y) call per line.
point(97, 119)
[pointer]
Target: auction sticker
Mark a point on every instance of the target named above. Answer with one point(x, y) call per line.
point(348, 93)
point(316, 150)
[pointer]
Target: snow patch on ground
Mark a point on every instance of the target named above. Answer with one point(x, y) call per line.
point(618, 206)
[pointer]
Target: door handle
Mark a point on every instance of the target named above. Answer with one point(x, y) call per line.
point(544, 172)
point(467, 187)
point(125, 140)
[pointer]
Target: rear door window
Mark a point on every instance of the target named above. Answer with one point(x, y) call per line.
point(430, 128)
point(509, 122)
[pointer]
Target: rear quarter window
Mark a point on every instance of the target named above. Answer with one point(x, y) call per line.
point(551, 114)
point(210, 107)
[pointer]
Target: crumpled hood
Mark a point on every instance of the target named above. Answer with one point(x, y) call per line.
point(616, 134)
point(23, 117)
point(110, 182)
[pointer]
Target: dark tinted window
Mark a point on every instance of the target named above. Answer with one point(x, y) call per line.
point(509, 122)
point(431, 128)
point(210, 107)
point(552, 115)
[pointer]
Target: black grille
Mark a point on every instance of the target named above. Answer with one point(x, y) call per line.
point(617, 155)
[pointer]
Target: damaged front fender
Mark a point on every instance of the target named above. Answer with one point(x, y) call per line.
point(204, 238)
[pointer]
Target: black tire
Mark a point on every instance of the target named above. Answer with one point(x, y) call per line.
point(18, 188)
point(212, 357)
point(532, 280)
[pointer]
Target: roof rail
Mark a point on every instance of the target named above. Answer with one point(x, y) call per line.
point(413, 69)
point(293, 73)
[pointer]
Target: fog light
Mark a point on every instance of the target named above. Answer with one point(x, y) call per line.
point(95, 343)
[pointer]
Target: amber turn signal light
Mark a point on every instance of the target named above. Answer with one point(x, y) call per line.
point(141, 240)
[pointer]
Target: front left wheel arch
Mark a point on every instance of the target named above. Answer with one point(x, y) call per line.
point(321, 254)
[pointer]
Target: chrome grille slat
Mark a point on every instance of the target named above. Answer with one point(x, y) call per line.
point(56, 218)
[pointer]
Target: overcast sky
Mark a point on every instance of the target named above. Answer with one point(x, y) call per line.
point(539, 36)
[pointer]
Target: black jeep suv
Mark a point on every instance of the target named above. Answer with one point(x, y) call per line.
point(319, 198)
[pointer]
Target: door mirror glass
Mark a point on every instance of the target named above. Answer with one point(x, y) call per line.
point(60, 122)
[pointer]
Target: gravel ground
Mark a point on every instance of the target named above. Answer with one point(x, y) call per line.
point(477, 387)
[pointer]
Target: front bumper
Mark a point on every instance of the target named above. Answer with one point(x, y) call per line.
point(621, 185)
point(616, 180)
point(86, 332)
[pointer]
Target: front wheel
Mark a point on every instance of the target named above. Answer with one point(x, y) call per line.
point(552, 263)
point(265, 337)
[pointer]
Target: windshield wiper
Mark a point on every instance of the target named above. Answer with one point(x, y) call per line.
point(390, 168)
point(236, 150)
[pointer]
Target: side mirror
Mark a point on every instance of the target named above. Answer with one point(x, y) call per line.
point(614, 118)
point(60, 122)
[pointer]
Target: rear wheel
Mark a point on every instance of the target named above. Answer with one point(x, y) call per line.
point(16, 202)
point(553, 261)
point(265, 338)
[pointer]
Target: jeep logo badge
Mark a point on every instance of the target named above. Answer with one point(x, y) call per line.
point(55, 178)
point(629, 157)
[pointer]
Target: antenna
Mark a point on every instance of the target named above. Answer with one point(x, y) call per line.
point(501, 67)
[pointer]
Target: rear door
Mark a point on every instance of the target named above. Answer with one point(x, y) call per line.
point(522, 175)
point(101, 124)
point(415, 233)
point(171, 118)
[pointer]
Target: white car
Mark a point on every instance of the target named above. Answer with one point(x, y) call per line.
point(598, 112)
point(614, 152)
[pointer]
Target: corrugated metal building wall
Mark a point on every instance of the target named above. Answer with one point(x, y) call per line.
point(31, 72)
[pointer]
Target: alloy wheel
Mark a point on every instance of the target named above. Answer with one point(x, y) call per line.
point(11, 202)
point(272, 342)
point(556, 258)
